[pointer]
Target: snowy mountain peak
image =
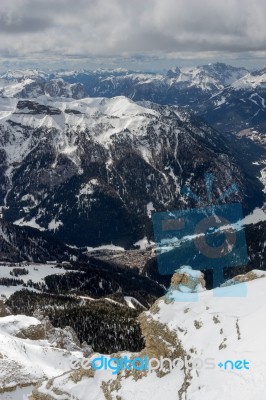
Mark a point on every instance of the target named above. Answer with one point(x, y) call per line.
point(23, 74)
point(251, 81)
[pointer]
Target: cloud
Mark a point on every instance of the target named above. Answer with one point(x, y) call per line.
point(119, 28)
point(23, 25)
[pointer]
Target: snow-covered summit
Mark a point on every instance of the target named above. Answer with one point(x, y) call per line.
point(206, 77)
point(23, 74)
point(251, 81)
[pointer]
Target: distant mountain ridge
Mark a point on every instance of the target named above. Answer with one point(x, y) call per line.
point(239, 106)
point(180, 86)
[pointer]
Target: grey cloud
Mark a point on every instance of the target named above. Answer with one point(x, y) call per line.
point(113, 28)
point(23, 25)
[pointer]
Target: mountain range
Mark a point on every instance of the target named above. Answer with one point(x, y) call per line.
point(92, 170)
point(86, 158)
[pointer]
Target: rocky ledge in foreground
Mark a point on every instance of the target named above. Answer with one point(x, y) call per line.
point(210, 326)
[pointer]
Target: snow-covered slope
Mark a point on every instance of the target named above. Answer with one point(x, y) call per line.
point(184, 86)
point(217, 327)
point(32, 84)
point(27, 356)
point(207, 77)
point(240, 111)
point(24, 243)
point(251, 81)
point(65, 159)
point(181, 86)
point(36, 274)
point(241, 105)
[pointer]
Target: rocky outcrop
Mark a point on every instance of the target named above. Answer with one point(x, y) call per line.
point(185, 276)
point(185, 280)
point(32, 332)
point(249, 276)
point(4, 310)
point(159, 339)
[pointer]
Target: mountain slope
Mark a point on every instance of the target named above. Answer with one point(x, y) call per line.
point(28, 244)
point(31, 351)
point(31, 84)
point(242, 105)
point(92, 170)
point(182, 330)
point(180, 86)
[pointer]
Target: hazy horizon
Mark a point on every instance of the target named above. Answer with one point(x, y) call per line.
point(110, 67)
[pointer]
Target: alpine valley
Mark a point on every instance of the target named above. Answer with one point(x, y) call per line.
point(86, 158)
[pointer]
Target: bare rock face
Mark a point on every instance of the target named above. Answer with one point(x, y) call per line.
point(185, 280)
point(4, 310)
point(32, 332)
point(65, 338)
point(185, 276)
point(168, 346)
point(249, 276)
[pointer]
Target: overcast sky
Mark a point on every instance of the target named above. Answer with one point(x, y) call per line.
point(137, 34)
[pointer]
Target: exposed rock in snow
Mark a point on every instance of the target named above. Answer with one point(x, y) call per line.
point(4, 310)
point(212, 331)
point(31, 350)
point(249, 276)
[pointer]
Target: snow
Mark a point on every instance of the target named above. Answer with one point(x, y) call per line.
point(25, 73)
point(250, 81)
point(7, 107)
point(25, 361)
point(196, 77)
point(18, 394)
point(221, 101)
point(13, 90)
point(186, 269)
point(236, 323)
point(102, 119)
point(54, 225)
point(150, 208)
point(13, 324)
point(32, 223)
point(88, 188)
point(167, 244)
point(240, 319)
point(263, 178)
point(37, 273)
point(143, 243)
point(249, 312)
point(105, 247)
point(131, 300)
point(258, 215)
